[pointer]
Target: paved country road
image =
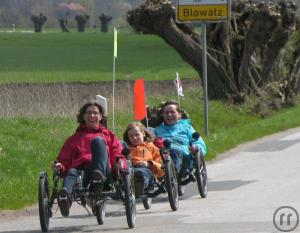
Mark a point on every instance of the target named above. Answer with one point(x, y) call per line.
point(246, 186)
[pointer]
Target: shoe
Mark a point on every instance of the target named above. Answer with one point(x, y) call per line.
point(98, 175)
point(192, 177)
point(109, 187)
point(184, 177)
point(181, 189)
point(139, 185)
point(64, 202)
point(98, 180)
point(150, 188)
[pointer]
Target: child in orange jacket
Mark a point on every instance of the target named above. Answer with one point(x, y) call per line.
point(144, 155)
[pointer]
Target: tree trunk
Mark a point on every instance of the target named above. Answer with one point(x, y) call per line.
point(242, 53)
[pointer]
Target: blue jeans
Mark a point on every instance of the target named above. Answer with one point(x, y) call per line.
point(183, 163)
point(146, 173)
point(99, 162)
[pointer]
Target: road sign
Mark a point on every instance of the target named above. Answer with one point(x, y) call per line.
point(202, 10)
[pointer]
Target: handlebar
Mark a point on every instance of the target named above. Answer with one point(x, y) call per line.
point(195, 136)
point(57, 172)
point(126, 152)
point(167, 143)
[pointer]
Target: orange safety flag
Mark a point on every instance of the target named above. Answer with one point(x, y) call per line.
point(139, 100)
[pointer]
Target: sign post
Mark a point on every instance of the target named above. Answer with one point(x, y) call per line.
point(203, 11)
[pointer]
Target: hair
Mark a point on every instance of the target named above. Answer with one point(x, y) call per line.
point(83, 109)
point(148, 136)
point(171, 103)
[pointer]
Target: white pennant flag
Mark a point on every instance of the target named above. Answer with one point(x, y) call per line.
point(178, 85)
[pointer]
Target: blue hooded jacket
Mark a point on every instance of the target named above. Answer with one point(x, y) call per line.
point(180, 134)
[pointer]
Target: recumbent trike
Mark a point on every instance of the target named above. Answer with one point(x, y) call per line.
point(199, 172)
point(168, 183)
point(123, 191)
point(172, 183)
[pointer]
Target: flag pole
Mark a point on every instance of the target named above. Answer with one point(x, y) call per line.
point(178, 98)
point(177, 83)
point(114, 77)
point(147, 123)
point(113, 95)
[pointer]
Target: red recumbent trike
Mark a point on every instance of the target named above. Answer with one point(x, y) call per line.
point(123, 191)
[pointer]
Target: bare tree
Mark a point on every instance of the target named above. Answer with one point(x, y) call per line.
point(38, 21)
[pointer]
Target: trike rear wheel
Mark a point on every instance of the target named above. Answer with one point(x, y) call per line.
point(100, 212)
point(147, 203)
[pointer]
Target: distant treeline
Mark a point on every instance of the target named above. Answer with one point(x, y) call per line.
point(17, 13)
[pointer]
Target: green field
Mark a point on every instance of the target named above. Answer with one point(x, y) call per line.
point(28, 145)
point(56, 57)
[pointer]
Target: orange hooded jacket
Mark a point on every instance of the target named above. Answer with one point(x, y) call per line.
point(150, 153)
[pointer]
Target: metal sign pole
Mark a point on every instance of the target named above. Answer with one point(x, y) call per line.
point(203, 11)
point(204, 74)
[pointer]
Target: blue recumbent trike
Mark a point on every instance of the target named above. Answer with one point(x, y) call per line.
point(199, 172)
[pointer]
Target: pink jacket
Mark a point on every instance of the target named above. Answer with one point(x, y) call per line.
point(77, 152)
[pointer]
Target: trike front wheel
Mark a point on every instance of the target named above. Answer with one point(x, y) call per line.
point(201, 175)
point(172, 184)
point(43, 196)
point(129, 199)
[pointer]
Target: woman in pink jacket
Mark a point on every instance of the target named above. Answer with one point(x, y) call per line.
point(92, 148)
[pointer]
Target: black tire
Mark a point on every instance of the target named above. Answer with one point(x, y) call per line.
point(130, 206)
point(43, 195)
point(147, 203)
point(100, 212)
point(172, 184)
point(201, 175)
point(181, 189)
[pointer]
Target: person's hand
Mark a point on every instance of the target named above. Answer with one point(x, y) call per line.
point(56, 166)
point(149, 164)
point(120, 165)
point(193, 149)
point(159, 142)
point(145, 163)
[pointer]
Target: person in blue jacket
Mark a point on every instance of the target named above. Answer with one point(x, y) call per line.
point(179, 132)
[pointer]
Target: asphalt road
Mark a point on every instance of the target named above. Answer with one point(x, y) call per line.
point(245, 188)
